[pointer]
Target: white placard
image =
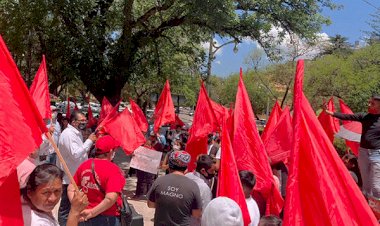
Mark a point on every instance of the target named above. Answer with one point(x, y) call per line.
point(146, 159)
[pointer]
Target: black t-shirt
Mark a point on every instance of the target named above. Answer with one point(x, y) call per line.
point(175, 197)
point(370, 138)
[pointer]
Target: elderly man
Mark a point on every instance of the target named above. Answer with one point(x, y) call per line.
point(74, 152)
point(369, 152)
point(175, 197)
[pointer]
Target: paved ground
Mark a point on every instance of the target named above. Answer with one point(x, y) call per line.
point(140, 205)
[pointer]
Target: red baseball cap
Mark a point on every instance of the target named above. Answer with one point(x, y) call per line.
point(105, 144)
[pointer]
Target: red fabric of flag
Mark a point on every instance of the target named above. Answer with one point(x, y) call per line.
point(204, 123)
point(21, 126)
point(68, 113)
point(329, 123)
point(139, 116)
point(278, 145)
point(124, 129)
point(110, 115)
point(39, 90)
point(164, 112)
point(320, 190)
point(106, 108)
point(90, 117)
point(250, 152)
point(229, 184)
point(272, 121)
point(221, 112)
point(354, 146)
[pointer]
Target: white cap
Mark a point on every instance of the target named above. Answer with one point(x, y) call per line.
point(222, 211)
point(53, 108)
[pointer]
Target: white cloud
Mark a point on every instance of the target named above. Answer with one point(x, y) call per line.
point(293, 46)
point(218, 62)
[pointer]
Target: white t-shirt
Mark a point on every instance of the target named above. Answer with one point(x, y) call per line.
point(254, 211)
point(35, 218)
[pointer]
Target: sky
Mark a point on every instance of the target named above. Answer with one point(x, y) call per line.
point(350, 21)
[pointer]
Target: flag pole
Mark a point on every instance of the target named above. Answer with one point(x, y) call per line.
point(65, 168)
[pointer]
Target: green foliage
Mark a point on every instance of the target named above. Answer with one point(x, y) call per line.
point(108, 43)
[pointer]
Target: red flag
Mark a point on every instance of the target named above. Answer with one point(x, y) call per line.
point(204, 123)
point(39, 90)
point(229, 184)
point(250, 152)
point(221, 112)
point(320, 190)
point(164, 112)
point(21, 126)
point(329, 123)
point(272, 121)
point(125, 130)
point(178, 122)
point(106, 108)
point(68, 113)
point(75, 105)
point(90, 117)
point(277, 144)
point(139, 116)
point(356, 127)
point(110, 115)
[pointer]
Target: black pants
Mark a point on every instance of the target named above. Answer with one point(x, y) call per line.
point(144, 182)
point(65, 207)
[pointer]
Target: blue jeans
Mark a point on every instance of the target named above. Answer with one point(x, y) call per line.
point(101, 220)
point(369, 165)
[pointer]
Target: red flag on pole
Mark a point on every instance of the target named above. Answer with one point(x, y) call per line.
point(110, 115)
point(75, 105)
point(320, 190)
point(125, 130)
point(106, 108)
point(39, 90)
point(229, 184)
point(21, 126)
point(139, 116)
point(277, 144)
point(90, 117)
point(221, 112)
point(204, 123)
point(272, 121)
point(350, 127)
point(68, 113)
point(164, 112)
point(329, 123)
point(250, 152)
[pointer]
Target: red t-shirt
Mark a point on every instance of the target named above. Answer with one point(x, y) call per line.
point(110, 178)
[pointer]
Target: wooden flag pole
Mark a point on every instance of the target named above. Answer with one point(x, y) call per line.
point(65, 168)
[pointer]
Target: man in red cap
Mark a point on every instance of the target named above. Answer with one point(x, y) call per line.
point(102, 181)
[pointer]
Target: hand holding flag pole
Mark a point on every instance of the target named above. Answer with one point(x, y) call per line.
point(65, 168)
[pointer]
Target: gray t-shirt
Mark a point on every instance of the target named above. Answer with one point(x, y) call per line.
point(175, 197)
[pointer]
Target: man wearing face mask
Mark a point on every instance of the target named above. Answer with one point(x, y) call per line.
point(102, 181)
point(204, 171)
point(74, 152)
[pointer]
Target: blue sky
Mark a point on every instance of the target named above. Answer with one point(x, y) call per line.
point(350, 21)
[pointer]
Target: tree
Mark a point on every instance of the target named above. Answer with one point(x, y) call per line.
point(374, 34)
point(339, 46)
point(104, 42)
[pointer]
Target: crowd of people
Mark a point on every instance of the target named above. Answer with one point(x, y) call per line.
point(179, 197)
